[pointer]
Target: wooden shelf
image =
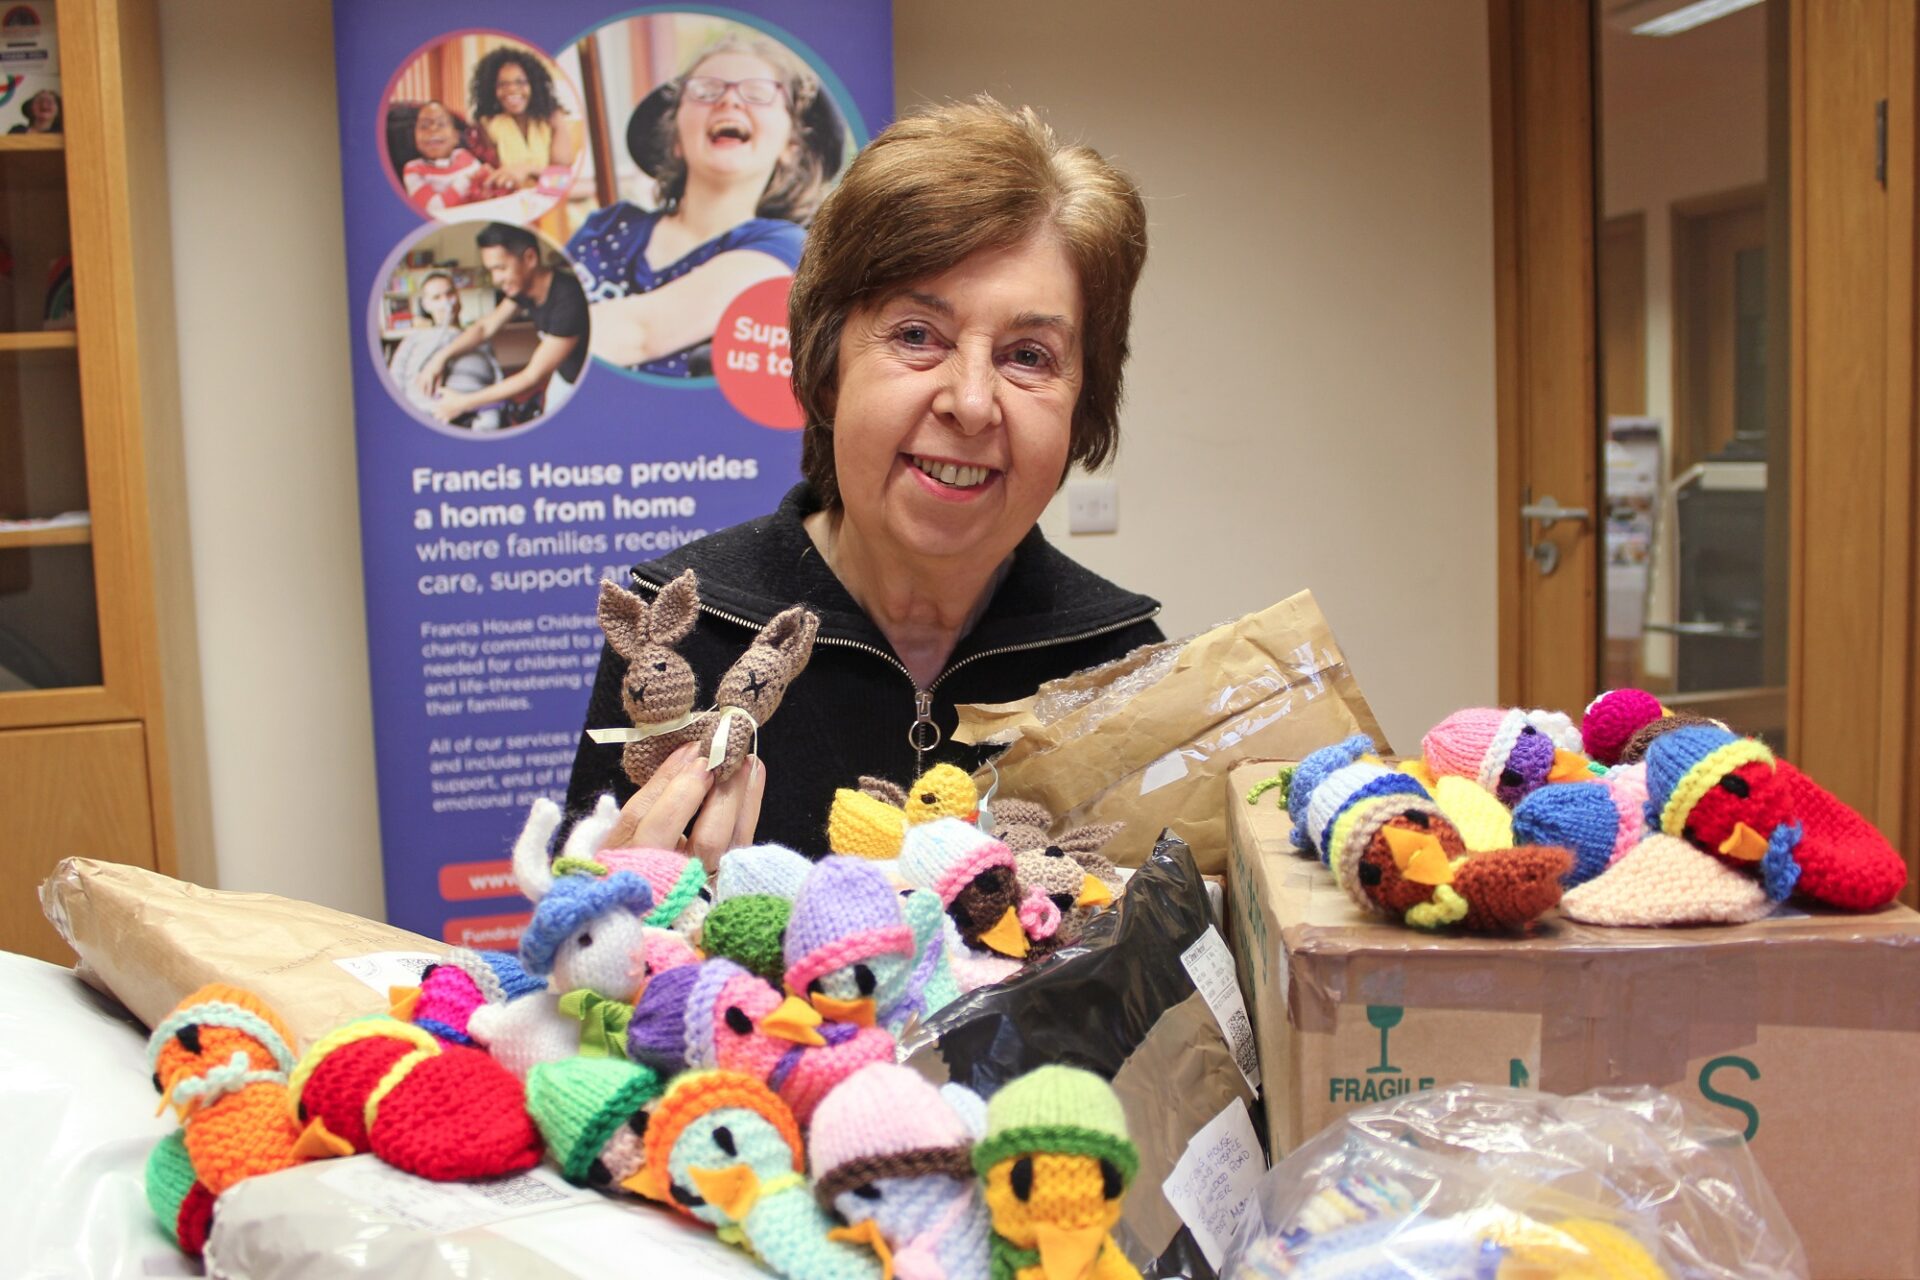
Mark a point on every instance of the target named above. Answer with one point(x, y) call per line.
point(39, 340)
point(33, 142)
point(70, 535)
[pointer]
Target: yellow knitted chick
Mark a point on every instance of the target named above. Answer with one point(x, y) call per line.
point(1576, 1249)
point(1057, 1160)
point(871, 822)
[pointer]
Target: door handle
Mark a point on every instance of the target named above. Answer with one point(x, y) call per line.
point(1548, 512)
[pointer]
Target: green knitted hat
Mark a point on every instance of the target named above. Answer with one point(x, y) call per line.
point(579, 1103)
point(169, 1178)
point(748, 931)
point(1060, 1110)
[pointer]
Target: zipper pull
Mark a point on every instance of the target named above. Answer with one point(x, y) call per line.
point(924, 735)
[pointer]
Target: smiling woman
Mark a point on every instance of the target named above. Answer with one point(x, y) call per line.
point(959, 325)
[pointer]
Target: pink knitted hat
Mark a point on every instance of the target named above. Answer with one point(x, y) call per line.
point(1614, 717)
point(947, 855)
point(885, 1120)
point(1474, 743)
point(1627, 784)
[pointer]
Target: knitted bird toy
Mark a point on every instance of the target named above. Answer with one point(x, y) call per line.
point(718, 1015)
point(761, 869)
point(444, 1112)
point(659, 690)
point(1476, 813)
point(872, 821)
point(1844, 860)
point(220, 1060)
point(974, 875)
point(892, 1157)
point(1396, 854)
point(453, 988)
point(1613, 718)
point(1597, 822)
point(1027, 829)
point(849, 950)
point(1723, 794)
point(1057, 1160)
point(592, 1114)
point(723, 1149)
point(1508, 752)
point(180, 1202)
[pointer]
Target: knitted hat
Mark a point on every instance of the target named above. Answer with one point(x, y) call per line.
point(846, 912)
point(885, 1121)
point(675, 879)
point(1347, 786)
point(1684, 764)
point(657, 1033)
point(1663, 880)
point(1057, 1109)
point(697, 1093)
point(747, 930)
point(455, 1116)
point(1476, 813)
point(761, 868)
point(1627, 784)
point(1844, 860)
point(220, 1005)
point(1577, 816)
point(1311, 772)
point(1614, 717)
point(181, 1203)
point(580, 1102)
point(1636, 748)
point(576, 899)
point(945, 855)
point(340, 1072)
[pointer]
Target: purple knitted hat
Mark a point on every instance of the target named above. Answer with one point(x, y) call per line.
point(657, 1033)
point(846, 912)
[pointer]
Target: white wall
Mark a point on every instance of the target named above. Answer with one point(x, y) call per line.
point(1311, 400)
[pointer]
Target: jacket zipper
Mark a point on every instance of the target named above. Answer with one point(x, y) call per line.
point(922, 698)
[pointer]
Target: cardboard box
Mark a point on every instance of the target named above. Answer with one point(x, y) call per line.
point(1802, 1030)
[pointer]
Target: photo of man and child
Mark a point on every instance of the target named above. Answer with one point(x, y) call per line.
point(481, 327)
point(481, 126)
point(715, 143)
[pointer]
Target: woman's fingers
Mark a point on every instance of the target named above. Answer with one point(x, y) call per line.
point(748, 819)
point(643, 801)
point(679, 801)
point(713, 831)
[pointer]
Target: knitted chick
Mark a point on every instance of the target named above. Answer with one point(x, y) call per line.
point(1723, 794)
point(592, 1112)
point(873, 821)
point(723, 1149)
point(891, 1157)
point(848, 948)
point(678, 882)
point(1396, 854)
point(220, 1060)
point(1057, 1160)
point(974, 875)
point(934, 942)
point(1027, 829)
point(717, 1014)
point(1509, 752)
point(450, 990)
point(444, 1112)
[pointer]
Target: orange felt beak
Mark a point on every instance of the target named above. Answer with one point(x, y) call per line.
point(1007, 937)
point(1068, 1253)
point(732, 1190)
point(868, 1234)
point(1745, 844)
point(794, 1020)
point(1093, 893)
point(1419, 856)
point(859, 1012)
point(650, 1182)
point(317, 1142)
point(402, 1001)
point(1568, 766)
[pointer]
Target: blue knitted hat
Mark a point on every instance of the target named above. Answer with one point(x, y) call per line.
point(1674, 756)
point(1363, 782)
point(514, 979)
point(1579, 817)
point(1312, 771)
point(575, 899)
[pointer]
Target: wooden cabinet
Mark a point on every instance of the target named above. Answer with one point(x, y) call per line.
point(101, 752)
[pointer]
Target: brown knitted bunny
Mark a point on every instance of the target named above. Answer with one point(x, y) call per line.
point(659, 689)
point(756, 683)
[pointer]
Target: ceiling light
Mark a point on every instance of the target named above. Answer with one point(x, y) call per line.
point(1689, 16)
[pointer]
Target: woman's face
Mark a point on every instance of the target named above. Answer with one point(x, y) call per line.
point(433, 132)
point(954, 410)
point(438, 299)
point(731, 137)
point(512, 89)
point(45, 107)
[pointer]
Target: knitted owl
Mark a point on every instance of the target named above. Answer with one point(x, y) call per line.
point(1509, 752)
point(1056, 1160)
point(592, 1113)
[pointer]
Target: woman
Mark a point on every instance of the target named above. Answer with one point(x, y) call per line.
point(959, 330)
point(44, 114)
point(437, 308)
point(739, 148)
point(513, 100)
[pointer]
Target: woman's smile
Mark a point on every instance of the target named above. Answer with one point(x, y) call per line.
point(950, 481)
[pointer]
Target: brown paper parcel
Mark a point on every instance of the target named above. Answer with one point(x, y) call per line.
point(149, 940)
point(1147, 739)
point(1801, 1030)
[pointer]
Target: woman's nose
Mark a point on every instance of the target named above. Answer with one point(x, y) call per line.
point(970, 395)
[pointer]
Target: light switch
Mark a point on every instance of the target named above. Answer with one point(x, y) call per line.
point(1093, 506)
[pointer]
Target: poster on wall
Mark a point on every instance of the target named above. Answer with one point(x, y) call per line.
point(571, 229)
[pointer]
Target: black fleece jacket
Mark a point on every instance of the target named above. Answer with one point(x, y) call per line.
point(848, 714)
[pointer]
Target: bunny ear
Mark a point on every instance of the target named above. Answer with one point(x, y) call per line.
point(590, 832)
point(675, 610)
point(531, 870)
point(623, 616)
point(884, 791)
point(1090, 839)
point(1021, 813)
point(790, 634)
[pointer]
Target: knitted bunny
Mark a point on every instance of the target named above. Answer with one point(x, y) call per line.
point(754, 684)
point(659, 688)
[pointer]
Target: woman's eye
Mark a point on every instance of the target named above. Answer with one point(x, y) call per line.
point(1031, 358)
point(915, 335)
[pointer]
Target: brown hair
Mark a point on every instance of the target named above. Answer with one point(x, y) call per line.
point(793, 192)
point(934, 188)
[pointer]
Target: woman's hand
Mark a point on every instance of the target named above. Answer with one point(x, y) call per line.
point(682, 791)
point(428, 380)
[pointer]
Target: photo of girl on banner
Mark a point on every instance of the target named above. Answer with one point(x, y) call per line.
point(712, 143)
point(480, 125)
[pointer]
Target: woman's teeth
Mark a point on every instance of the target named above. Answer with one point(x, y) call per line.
point(948, 473)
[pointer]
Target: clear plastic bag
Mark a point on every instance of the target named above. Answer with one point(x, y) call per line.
point(1478, 1181)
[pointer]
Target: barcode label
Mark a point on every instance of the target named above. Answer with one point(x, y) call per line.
point(1210, 964)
